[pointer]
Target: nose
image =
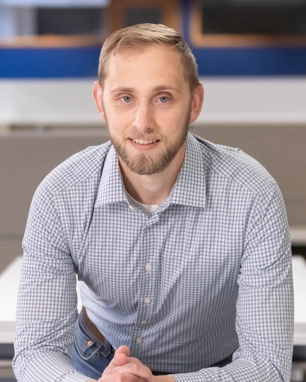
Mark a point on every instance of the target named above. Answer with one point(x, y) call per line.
point(143, 118)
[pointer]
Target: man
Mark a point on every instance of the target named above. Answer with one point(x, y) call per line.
point(181, 245)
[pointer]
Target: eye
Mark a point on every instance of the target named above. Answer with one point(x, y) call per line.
point(126, 99)
point(164, 99)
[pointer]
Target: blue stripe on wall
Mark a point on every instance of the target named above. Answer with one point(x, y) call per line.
point(83, 62)
point(49, 62)
point(251, 61)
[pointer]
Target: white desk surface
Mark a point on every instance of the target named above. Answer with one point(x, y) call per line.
point(9, 281)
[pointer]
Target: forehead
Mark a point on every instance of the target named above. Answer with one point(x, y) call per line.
point(145, 66)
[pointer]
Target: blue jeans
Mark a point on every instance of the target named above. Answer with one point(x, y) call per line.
point(87, 354)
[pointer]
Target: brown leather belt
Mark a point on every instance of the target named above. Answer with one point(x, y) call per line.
point(93, 330)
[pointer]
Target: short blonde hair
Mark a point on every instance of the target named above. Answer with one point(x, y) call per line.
point(142, 35)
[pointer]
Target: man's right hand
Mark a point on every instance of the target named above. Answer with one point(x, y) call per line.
point(124, 368)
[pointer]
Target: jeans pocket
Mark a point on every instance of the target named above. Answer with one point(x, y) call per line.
point(88, 355)
point(86, 346)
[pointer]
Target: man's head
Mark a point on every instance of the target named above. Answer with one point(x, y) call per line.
point(141, 36)
point(148, 96)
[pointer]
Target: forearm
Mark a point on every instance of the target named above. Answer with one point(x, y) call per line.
point(161, 378)
point(48, 367)
point(45, 331)
point(256, 370)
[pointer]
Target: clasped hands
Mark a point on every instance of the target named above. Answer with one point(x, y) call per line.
point(124, 368)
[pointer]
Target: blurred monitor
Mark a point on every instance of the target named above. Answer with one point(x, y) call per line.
point(70, 21)
point(55, 3)
point(243, 17)
point(53, 17)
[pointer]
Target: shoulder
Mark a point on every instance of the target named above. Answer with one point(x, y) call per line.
point(235, 166)
point(80, 168)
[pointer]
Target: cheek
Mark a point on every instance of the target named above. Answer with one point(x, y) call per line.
point(117, 122)
point(172, 121)
point(122, 113)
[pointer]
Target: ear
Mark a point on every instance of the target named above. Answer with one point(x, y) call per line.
point(197, 102)
point(97, 93)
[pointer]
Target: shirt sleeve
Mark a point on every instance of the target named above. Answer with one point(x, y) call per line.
point(265, 304)
point(47, 299)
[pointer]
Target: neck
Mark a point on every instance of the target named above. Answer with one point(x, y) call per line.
point(155, 188)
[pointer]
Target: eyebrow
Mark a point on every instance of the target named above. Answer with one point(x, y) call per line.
point(155, 89)
point(166, 87)
point(122, 89)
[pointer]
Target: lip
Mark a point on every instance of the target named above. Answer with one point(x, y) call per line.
point(143, 147)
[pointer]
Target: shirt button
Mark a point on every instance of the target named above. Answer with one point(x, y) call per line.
point(144, 322)
point(147, 300)
point(131, 207)
point(139, 340)
point(148, 267)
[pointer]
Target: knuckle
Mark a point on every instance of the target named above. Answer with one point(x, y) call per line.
point(124, 378)
point(137, 369)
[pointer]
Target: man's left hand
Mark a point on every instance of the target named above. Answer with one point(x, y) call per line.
point(123, 363)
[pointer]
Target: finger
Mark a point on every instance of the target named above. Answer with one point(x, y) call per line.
point(123, 349)
point(135, 368)
point(139, 370)
point(121, 378)
point(120, 359)
point(121, 356)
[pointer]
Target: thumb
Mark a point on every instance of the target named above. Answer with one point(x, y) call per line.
point(124, 350)
point(121, 356)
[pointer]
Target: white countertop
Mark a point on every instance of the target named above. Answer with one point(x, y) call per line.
point(9, 281)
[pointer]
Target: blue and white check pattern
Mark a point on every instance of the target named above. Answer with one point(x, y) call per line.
point(208, 274)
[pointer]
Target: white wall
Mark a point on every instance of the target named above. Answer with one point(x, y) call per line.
point(227, 101)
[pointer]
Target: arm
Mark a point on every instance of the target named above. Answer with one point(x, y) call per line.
point(264, 321)
point(47, 299)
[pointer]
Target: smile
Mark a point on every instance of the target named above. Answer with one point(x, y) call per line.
point(143, 142)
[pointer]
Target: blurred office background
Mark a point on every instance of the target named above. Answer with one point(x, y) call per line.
point(252, 62)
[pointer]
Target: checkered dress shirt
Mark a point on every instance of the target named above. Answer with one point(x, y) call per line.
point(207, 275)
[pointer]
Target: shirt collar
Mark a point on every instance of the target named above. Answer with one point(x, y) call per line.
point(111, 189)
point(189, 188)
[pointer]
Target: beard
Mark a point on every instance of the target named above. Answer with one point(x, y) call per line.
point(145, 163)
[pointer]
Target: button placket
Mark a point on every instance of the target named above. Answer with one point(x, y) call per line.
point(146, 283)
